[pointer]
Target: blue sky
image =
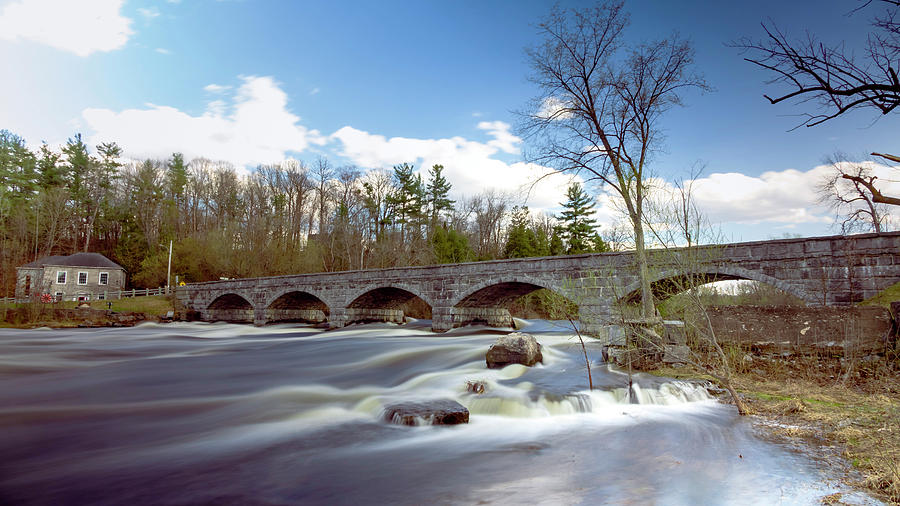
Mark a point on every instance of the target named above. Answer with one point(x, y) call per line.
point(379, 83)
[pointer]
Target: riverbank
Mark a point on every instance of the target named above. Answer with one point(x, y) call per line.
point(814, 402)
point(102, 313)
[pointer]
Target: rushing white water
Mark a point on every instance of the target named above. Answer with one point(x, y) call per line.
point(231, 414)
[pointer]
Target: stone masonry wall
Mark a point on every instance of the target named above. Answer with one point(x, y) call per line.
point(836, 270)
point(862, 328)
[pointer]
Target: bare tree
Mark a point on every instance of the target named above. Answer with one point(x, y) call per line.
point(323, 174)
point(600, 102)
point(677, 227)
point(489, 209)
point(847, 190)
point(833, 77)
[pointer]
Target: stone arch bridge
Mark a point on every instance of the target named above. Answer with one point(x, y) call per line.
point(835, 270)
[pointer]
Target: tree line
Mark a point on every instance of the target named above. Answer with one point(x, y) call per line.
point(285, 218)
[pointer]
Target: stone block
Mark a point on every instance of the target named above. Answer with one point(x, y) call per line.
point(676, 354)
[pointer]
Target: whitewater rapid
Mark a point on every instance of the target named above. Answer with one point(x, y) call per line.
point(195, 413)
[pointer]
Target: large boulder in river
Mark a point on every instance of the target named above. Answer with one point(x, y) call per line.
point(515, 348)
point(434, 412)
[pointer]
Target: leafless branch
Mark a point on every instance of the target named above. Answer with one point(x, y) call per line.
point(832, 76)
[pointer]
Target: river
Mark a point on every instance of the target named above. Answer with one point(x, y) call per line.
point(195, 413)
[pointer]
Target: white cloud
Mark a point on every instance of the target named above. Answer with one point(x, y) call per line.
point(162, 50)
point(75, 26)
point(314, 91)
point(552, 108)
point(785, 196)
point(784, 199)
point(216, 88)
point(469, 165)
point(503, 139)
point(216, 107)
point(253, 126)
point(151, 13)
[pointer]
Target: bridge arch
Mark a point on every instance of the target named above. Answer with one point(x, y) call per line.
point(231, 300)
point(231, 307)
point(296, 305)
point(402, 287)
point(711, 274)
point(489, 302)
point(505, 289)
point(387, 302)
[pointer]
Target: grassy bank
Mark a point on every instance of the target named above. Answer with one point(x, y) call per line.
point(857, 412)
point(157, 305)
point(884, 298)
point(48, 315)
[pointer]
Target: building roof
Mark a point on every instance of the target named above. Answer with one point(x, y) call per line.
point(76, 260)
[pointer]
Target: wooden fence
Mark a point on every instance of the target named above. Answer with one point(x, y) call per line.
point(110, 295)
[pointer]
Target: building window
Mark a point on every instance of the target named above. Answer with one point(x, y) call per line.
point(60, 277)
point(27, 286)
point(83, 297)
point(58, 296)
point(101, 296)
point(104, 278)
point(82, 278)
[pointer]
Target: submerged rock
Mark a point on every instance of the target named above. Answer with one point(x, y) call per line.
point(515, 348)
point(476, 386)
point(436, 412)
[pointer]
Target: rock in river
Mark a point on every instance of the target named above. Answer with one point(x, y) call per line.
point(434, 412)
point(515, 348)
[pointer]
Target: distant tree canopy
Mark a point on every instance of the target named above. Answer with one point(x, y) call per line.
point(277, 219)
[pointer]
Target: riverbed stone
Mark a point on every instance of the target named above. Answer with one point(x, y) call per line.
point(476, 386)
point(514, 348)
point(432, 412)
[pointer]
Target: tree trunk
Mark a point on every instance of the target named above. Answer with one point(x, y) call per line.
point(648, 310)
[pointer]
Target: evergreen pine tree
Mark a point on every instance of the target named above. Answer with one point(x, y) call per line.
point(176, 177)
point(176, 183)
point(48, 166)
point(407, 199)
point(450, 246)
point(436, 192)
point(17, 174)
point(556, 244)
point(521, 241)
point(577, 223)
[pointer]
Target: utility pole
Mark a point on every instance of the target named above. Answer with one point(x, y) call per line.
point(169, 272)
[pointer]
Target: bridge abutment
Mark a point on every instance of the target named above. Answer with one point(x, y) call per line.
point(337, 318)
point(259, 316)
point(295, 315)
point(490, 316)
point(596, 319)
point(374, 315)
point(441, 319)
